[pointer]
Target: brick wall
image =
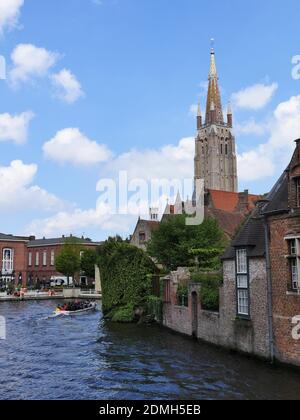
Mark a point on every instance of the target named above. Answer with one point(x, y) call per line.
point(286, 304)
point(45, 272)
point(19, 252)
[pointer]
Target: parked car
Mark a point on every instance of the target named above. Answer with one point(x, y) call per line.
point(61, 281)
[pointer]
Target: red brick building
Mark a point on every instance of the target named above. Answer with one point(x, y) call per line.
point(30, 261)
point(282, 215)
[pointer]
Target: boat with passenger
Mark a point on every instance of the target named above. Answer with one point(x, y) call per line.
point(76, 308)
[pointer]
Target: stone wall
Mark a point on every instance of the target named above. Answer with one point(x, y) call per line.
point(223, 328)
point(250, 336)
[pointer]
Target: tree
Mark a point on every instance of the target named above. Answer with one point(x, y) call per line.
point(174, 244)
point(88, 261)
point(68, 260)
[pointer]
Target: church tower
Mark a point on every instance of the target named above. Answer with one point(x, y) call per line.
point(215, 158)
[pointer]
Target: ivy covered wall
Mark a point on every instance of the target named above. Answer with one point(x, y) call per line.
point(126, 275)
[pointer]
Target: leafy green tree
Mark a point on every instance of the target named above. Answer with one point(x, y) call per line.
point(88, 262)
point(174, 244)
point(68, 260)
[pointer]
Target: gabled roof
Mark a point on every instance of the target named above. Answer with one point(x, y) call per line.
point(278, 197)
point(229, 201)
point(228, 222)
point(251, 236)
point(151, 224)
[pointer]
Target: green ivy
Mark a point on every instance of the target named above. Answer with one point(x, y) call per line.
point(126, 275)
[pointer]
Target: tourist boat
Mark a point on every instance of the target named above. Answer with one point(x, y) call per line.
point(92, 308)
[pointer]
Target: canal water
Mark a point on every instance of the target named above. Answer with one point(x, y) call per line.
point(87, 358)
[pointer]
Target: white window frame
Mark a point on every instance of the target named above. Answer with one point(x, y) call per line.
point(30, 259)
point(241, 260)
point(52, 258)
point(44, 258)
point(242, 283)
point(37, 259)
point(294, 261)
point(8, 264)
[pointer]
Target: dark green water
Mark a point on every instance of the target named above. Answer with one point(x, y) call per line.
point(85, 358)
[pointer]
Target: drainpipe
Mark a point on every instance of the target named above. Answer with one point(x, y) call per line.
point(269, 293)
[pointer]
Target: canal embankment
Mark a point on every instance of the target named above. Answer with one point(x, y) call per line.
point(44, 296)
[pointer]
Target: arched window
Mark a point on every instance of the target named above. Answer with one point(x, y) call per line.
point(7, 260)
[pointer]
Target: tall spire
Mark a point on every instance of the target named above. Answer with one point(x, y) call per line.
point(213, 95)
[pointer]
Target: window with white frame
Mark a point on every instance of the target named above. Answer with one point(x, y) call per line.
point(7, 260)
point(37, 259)
point(294, 262)
point(30, 259)
point(44, 258)
point(242, 283)
point(52, 262)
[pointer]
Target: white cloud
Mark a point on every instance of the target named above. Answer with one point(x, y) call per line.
point(17, 191)
point(254, 97)
point(15, 127)
point(172, 161)
point(30, 62)
point(255, 165)
point(68, 87)
point(275, 154)
point(251, 127)
point(193, 110)
point(78, 220)
point(70, 145)
point(9, 13)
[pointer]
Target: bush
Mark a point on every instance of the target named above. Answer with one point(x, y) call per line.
point(182, 295)
point(155, 308)
point(210, 289)
point(124, 315)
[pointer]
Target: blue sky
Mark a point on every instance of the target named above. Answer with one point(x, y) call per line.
point(126, 74)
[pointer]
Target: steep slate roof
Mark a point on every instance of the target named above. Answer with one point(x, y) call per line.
point(251, 236)
point(278, 197)
point(252, 233)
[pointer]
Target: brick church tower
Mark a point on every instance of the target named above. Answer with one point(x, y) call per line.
point(215, 158)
